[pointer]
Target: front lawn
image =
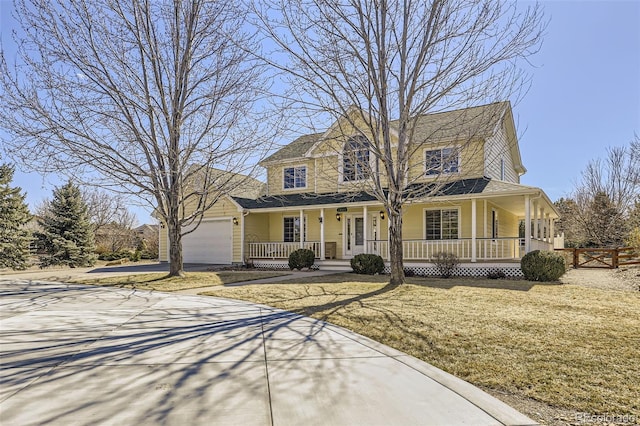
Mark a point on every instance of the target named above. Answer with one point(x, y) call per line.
point(567, 346)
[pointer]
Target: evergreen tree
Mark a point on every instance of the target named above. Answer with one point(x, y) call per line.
point(14, 215)
point(67, 236)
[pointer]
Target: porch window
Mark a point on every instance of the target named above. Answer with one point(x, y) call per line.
point(292, 229)
point(441, 224)
point(442, 161)
point(355, 159)
point(295, 177)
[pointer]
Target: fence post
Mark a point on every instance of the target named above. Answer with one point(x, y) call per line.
point(614, 258)
point(576, 257)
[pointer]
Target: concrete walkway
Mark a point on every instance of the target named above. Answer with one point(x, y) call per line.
point(74, 354)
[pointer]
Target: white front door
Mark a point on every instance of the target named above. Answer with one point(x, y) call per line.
point(353, 235)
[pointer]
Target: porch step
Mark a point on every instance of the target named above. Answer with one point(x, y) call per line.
point(334, 265)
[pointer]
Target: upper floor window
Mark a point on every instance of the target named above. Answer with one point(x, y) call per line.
point(441, 224)
point(355, 159)
point(295, 177)
point(445, 160)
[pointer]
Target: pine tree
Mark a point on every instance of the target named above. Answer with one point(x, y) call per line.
point(67, 236)
point(14, 215)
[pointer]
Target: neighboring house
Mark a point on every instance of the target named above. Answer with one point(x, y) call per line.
point(466, 199)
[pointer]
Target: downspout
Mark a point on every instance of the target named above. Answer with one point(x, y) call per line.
point(242, 251)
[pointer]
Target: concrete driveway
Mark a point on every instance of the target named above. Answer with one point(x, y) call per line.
point(73, 354)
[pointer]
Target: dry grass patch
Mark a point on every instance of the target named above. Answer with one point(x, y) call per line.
point(161, 282)
point(567, 346)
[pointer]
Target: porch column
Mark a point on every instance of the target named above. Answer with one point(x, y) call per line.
point(552, 232)
point(473, 230)
point(365, 221)
point(527, 224)
point(322, 253)
point(484, 219)
point(542, 223)
point(301, 228)
point(535, 220)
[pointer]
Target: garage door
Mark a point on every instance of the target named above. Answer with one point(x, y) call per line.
point(212, 242)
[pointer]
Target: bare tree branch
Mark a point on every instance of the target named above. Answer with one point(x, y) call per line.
point(140, 96)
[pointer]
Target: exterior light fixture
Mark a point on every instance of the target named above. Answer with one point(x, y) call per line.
point(382, 215)
point(235, 221)
point(338, 217)
point(320, 219)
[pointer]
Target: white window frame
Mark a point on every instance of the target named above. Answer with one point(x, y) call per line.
point(341, 163)
point(304, 230)
point(455, 149)
point(424, 222)
point(294, 167)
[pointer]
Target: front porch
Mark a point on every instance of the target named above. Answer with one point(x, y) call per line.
point(466, 249)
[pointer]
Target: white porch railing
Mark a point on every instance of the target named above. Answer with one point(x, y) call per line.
point(486, 248)
point(280, 250)
point(541, 245)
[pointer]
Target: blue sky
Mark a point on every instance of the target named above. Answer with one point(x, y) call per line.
point(585, 94)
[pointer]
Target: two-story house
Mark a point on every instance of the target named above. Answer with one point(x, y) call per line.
point(467, 199)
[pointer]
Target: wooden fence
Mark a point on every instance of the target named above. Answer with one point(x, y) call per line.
point(600, 257)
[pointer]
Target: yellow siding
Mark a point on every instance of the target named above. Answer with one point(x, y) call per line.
point(275, 176)
point(163, 245)
point(498, 148)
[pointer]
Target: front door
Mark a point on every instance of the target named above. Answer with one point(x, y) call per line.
point(353, 235)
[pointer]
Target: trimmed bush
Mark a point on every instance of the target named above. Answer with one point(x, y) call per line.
point(446, 263)
point(301, 258)
point(542, 266)
point(367, 264)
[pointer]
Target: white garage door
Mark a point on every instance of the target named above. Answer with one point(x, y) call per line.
point(212, 242)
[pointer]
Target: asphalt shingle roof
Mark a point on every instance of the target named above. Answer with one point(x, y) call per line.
point(416, 191)
point(462, 124)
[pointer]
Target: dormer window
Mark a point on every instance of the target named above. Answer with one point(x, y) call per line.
point(295, 177)
point(442, 161)
point(355, 159)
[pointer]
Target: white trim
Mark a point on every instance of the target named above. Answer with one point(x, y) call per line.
point(302, 225)
point(474, 231)
point(424, 220)
point(306, 177)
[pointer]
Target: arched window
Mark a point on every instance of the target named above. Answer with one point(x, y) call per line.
point(355, 159)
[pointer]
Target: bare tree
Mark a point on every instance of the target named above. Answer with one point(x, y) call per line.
point(107, 208)
point(605, 198)
point(150, 97)
point(379, 66)
point(112, 221)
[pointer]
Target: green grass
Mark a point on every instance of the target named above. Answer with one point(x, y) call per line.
point(161, 282)
point(568, 346)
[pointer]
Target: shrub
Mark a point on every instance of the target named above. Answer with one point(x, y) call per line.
point(446, 263)
point(368, 264)
point(496, 274)
point(409, 272)
point(542, 266)
point(301, 258)
point(135, 256)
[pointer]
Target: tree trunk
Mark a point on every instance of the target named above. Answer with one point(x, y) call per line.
point(395, 247)
point(176, 266)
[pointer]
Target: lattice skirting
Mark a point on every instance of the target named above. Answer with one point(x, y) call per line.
point(464, 269)
point(511, 270)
